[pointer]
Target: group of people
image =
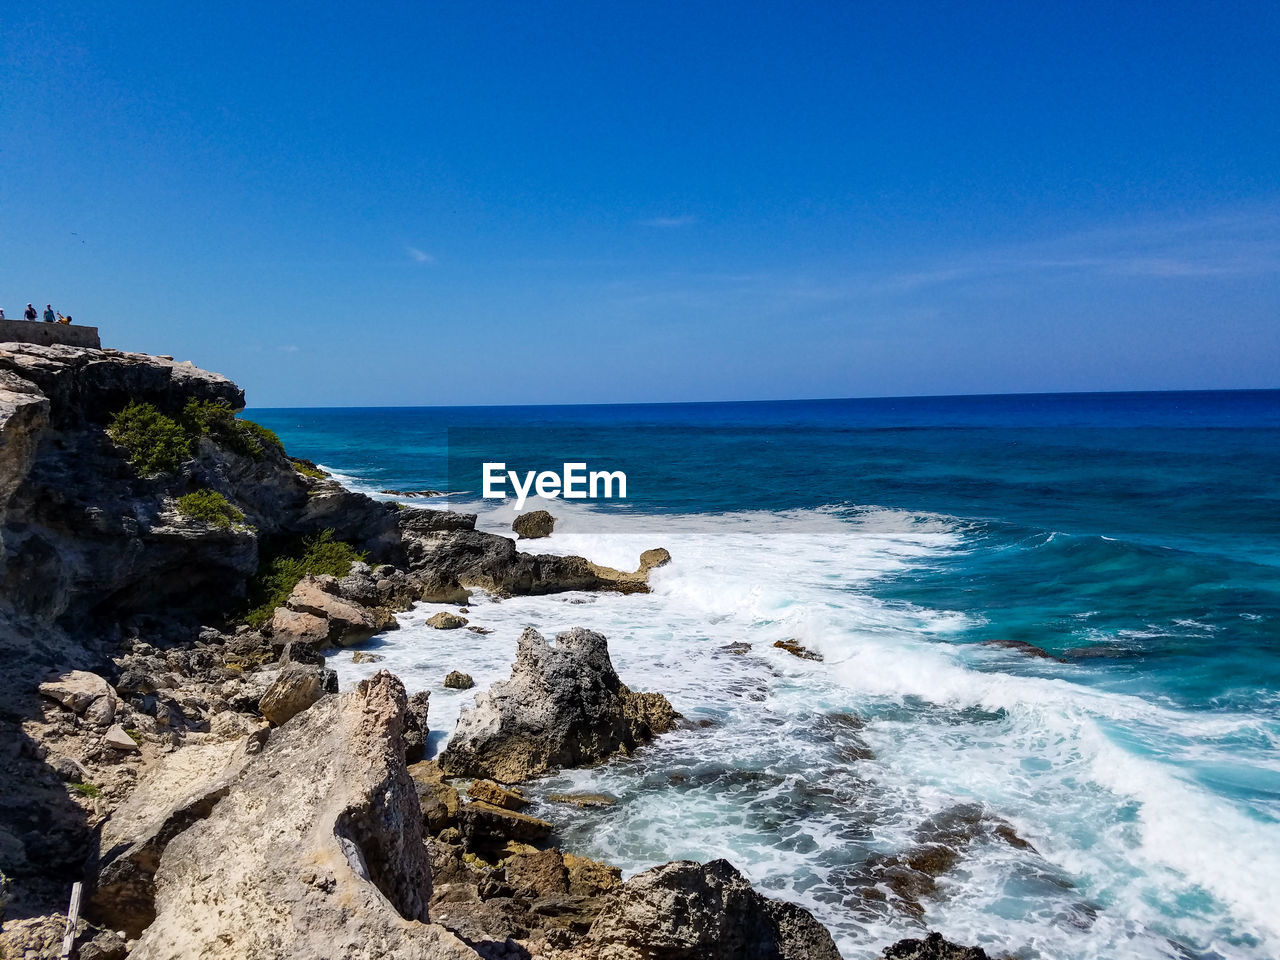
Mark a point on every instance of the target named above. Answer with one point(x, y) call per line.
point(49, 315)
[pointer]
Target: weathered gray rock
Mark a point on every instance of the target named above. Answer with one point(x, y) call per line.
point(297, 687)
point(182, 788)
point(76, 690)
point(684, 909)
point(564, 706)
point(117, 739)
point(533, 525)
point(318, 852)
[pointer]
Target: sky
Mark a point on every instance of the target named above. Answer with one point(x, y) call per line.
point(472, 203)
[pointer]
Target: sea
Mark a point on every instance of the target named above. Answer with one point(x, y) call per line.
point(1060, 611)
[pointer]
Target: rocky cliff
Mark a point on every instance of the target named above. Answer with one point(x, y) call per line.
point(202, 775)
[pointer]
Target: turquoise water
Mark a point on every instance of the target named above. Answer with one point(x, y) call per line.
point(1135, 538)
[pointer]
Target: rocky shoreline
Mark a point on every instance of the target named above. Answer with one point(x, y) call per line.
point(202, 775)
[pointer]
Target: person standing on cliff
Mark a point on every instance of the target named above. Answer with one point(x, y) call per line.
point(30, 312)
point(48, 313)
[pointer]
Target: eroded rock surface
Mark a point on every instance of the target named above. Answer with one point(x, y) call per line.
point(317, 851)
point(564, 706)
point(685, 909)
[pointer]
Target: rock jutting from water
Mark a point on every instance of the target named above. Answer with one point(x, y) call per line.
point(563, 706)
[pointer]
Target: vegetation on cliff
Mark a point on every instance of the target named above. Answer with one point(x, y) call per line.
point(158, 443)
point(155, 443)
point(210, 507)
point(310, 556)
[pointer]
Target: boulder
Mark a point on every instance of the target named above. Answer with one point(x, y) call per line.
point(490, 792)
point(564, 706)
point(76, 690)
point(296, 688)
point(444, 620)
point(684, 909)
point(533, 525)
point(364, 656)
point(457, 680)
point(101, 713)
point(291, 626)
point(318, 851)
point(348, 623)
point(483, 821)
point(302, 652)
point(180, 789)
point(437, 800)
point(654, 558)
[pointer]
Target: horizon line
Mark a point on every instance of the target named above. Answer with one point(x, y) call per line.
point(689, 403)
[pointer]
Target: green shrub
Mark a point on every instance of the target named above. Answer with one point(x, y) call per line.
point(87, 789)
point(210, 507)
point(315, 555)
point(215, 419)
point(155, 443)
point(307, 468)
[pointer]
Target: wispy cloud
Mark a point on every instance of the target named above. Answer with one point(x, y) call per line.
point(288, 348)
point(668, 222)
point(419, 256)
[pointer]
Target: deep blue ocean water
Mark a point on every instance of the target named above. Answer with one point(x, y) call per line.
point(1135, 538)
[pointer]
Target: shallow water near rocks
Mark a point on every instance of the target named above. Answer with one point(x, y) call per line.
point(1142, 772)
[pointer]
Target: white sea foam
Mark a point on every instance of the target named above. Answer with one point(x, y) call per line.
point(1130, 853)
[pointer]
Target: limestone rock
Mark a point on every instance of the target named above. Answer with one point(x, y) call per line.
point(318, 852)
point(290, 626)
point(102, 712)
point(364, 656)
point(444, 620)
point(415, 726)
point(564, 706)
point(117, 739)
point(182, 788)
point(457, 680)
point(76, 690)
point(296, 688)
point(348, 623)
point(796, 649)
point(533, 525)
point(484, 821)
point(652, 559)
point(437, 800)
point(490, 792)
point(685, 909)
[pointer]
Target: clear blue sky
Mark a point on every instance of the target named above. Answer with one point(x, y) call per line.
point(447, 203)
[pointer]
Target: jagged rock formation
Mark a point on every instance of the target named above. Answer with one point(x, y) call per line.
point(564, 706)
point(685, 909)
point(451, 555)
point(316, 851)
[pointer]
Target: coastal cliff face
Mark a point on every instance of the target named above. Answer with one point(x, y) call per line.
point(205, 778)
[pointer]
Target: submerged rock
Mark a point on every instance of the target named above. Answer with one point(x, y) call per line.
point(564, 706)
point(796, 649)
point(685, 909)
point(533, 525)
